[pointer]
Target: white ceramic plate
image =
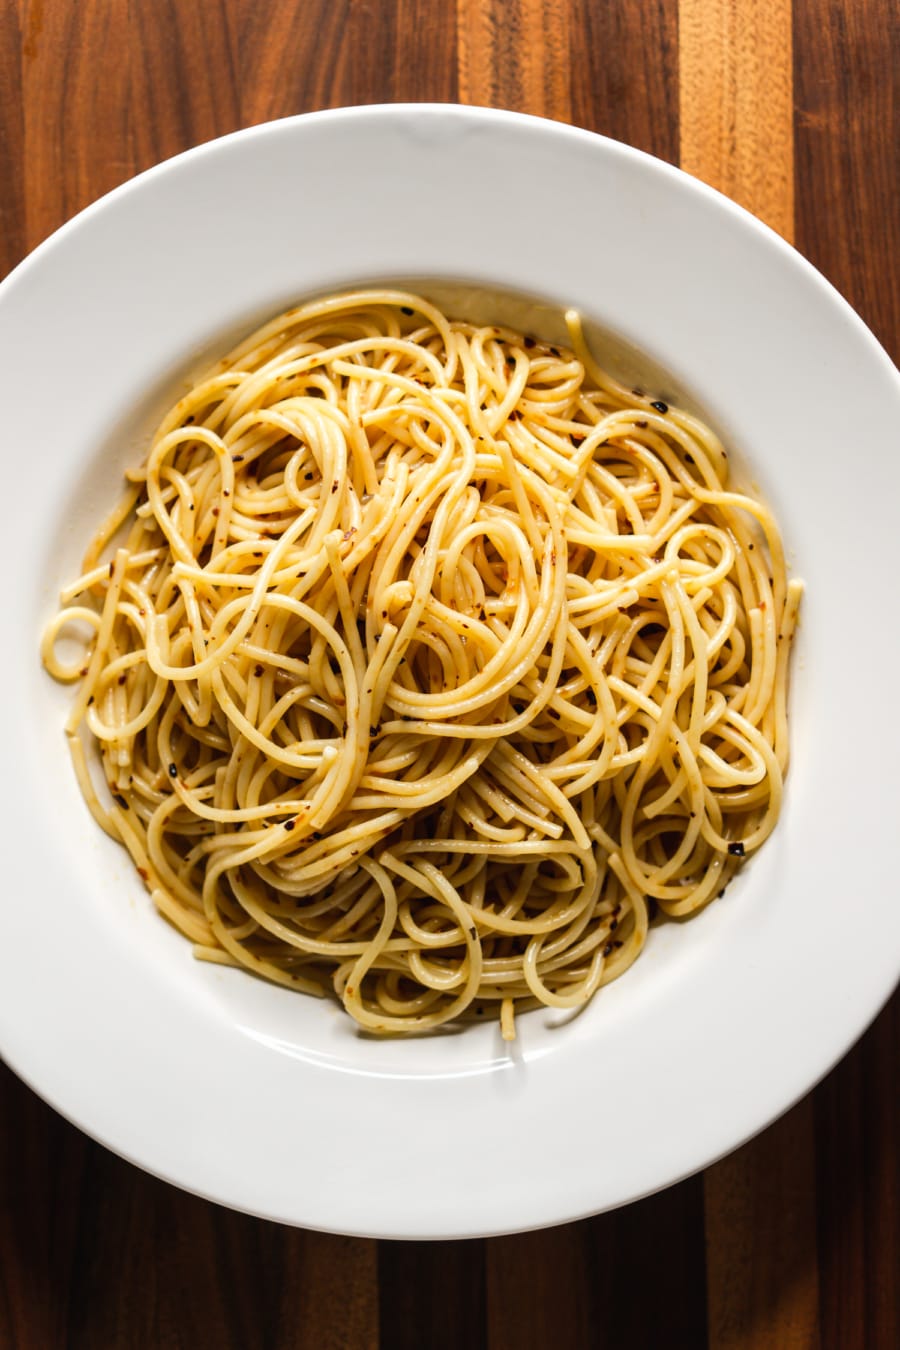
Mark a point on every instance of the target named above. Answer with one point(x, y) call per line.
point(269, 1101)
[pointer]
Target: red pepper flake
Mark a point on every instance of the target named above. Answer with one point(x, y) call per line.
point(335, 486)
point(143, 873)
point(122, 679)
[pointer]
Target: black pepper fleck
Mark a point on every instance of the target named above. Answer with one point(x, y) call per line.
point(659, 405)
point(736, 848)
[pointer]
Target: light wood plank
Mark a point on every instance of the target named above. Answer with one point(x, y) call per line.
point(515, 54)
point(736, 102)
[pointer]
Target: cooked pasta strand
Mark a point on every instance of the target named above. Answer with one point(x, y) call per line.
point(425, 662)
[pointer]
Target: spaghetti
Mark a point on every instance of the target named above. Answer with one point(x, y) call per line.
point(425, 660)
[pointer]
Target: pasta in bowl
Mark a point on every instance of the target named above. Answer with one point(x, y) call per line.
point(426, 661)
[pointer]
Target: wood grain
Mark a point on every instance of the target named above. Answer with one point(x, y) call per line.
point(299, 57)
point(624, 71)
point(63, 172)
point(792, 1242)
point(432, 1294)
point(858, 1128)
point(765, 1294)
point(736, 102)
point(848, 152)
point(577, 1285)
point(514, 54)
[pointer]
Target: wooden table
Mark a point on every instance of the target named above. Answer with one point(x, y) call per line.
point(794, 1241)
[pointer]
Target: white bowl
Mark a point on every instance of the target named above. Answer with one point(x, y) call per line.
point(270, 1101)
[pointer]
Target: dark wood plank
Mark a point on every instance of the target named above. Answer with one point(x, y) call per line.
point(858, 1129)
point(42, 1166)
point(185, 76)
point(587, 1284)
point(847, 134)
point(95, 1253)
point(15, 47)
point(847, 148)
point(624, 72)
point(432, 1294)
point(541, 1290)
point(299, 57)
point(761, 1240)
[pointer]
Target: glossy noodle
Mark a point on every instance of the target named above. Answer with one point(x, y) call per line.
point(425, 663)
